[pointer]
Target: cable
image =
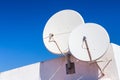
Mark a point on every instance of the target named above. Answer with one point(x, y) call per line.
point(106, 64)
point(56, 71)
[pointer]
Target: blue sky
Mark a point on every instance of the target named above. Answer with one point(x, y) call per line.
point(22, 23)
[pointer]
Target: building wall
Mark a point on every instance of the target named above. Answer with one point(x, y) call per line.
point(52, 70)
point(30, 72)
point(116, 50)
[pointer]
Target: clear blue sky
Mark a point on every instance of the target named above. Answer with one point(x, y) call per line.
point(22, 23)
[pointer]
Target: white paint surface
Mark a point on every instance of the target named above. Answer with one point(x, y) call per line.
point(116, 50)
point(83, 71)
point(30, 72)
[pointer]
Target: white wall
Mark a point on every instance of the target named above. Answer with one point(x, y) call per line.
point(30, 72)
point(116, 50)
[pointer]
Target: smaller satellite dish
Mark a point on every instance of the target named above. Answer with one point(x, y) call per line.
point(58, 28)
point(88, 42)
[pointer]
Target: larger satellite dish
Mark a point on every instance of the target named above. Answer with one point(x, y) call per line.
point(88, 42)
point(58, 28)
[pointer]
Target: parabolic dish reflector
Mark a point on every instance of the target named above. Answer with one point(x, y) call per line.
point(58, 28)
point(97, 41)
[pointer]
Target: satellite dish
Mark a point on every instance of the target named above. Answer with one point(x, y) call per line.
point(88, 42)
point(58, 28)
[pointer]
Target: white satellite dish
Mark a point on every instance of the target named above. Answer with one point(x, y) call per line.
point(88, 42)
point(58, 28)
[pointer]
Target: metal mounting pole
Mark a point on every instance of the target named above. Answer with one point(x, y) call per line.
point(84, 39)
point(102, 74)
